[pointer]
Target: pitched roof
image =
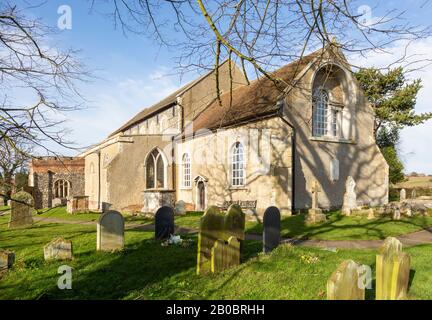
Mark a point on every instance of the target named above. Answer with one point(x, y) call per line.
point(252, 101)
point(159, 106)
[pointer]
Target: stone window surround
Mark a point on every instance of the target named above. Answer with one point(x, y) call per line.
point(164, 160)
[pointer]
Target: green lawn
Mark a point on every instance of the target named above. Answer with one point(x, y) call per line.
point(61, 213)
point(338, 227)
point(147, 270)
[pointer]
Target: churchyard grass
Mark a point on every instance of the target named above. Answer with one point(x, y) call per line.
point(61, 213)
point(4, 208)
point(338, 227)
point(147, 270)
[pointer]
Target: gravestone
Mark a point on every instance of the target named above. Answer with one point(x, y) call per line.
point(211, 229)
point(58, 249)
point(21, 210)
point(392, 271)
point(219, 245)
point(7, 259)
point(2, 203)
point(58, 202)
point(78, 204)
point(350, 197)
point(315, 214)
point(371, 214)
point(9, 203)
point(110, 232)
point(180, 207)
point(402, 196)
point(413, 194)
point(396, 214)
point(344, 283)
point(164, 223)
point(271, 229)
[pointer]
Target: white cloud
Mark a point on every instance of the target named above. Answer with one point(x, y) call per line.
point(415, 141)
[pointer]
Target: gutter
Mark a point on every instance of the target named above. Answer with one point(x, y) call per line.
point(293, 154)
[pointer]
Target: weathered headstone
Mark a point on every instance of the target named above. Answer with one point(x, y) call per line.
point(78, 204)
point(350, 197)
point(219, 239)
point(392, 271)
point(2, 203)
point(271, 229)
point(164, 223)
point(371, 214)
point(21, 210)
point(58, 249)
point(7, 259)
point(344, 283)
point(402, 196)
point(413, 194)
point(315, 214)
point(58, 202)
point(110, 232)
point(9, 203)
point(396, 214)
point(211, 229)
point(180, 207)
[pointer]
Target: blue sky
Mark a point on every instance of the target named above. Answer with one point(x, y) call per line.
point(133, 72)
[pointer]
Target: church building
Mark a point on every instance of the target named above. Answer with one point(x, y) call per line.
point(260, 144)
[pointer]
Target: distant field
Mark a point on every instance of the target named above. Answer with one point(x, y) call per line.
point(416, 182)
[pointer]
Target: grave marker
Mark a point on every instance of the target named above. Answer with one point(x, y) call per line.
point(110, 232)
point(392, 271)
point(21, 210)
point(164, 223)
point(271, 232)
point(344, 283)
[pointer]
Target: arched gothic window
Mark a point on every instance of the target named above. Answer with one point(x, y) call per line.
point(61, 188)
point(155, 170)
point(237, 165)
point(186, 171)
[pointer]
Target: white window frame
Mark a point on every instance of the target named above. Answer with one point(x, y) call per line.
point(238, 166)
point(186, 171)
point(324, 124)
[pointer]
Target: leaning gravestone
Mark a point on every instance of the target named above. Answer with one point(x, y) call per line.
point(344, 283)
point(58, 249)
point(7, 258)
point(392, 271)
point(164, 223)
point(402, 196)
point(21, 210)
point(110, 232)
point(271, 232)
point(350, 197)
